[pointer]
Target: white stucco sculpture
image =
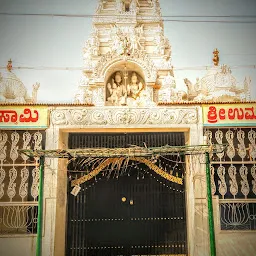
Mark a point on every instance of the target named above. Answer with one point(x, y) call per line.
point(127, 33)
point(117, 90)
point(83, 94)
point(218, 85)
point(168, 91)
point(134, 90)
point(12, 90)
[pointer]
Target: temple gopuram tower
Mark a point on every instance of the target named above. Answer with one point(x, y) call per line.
point(127, 58)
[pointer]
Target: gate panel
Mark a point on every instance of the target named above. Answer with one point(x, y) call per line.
point(131, 213)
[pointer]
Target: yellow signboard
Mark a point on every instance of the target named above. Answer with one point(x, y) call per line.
point(23, 117)
point(229, 115)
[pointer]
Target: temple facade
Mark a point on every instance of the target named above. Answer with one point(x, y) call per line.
point(98, 201)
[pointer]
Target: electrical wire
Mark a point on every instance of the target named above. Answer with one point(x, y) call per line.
point(117, 15)
point(165, 18)
point(81, 68)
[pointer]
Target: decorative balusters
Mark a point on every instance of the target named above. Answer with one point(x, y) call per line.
point(3, 140)
point(236, 166)
point(2, 176)
point(11, 191)
point(26, 144)
point(35, 182)
point(231, 148)
point(23, 191)
point(38, 140)
point(3, 147)
point(233, 182)
point(253, 172)
point(219, 139)
point(35, 173)
point(241, 146)
point(252, 154)
point(221, 169)
point(14, 148)
point(232, 169)
point(236, 178)
point(208, 135)
point(18, 212)
point(245, 189)
point(212, 180)
point(14, 186)
point(222, 183)
point(252, 146)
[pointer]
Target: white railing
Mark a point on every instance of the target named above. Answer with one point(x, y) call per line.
point(18, 218)
point(237, 214)
point(233, 176)
point(19, 179)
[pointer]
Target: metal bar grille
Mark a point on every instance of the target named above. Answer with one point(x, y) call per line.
point(124, 140)
point(138, 213)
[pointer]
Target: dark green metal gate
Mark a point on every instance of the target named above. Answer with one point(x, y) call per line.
point(134, 212)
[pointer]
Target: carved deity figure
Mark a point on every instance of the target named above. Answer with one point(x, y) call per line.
point(160, 44)
point(91, 46)
point(126, 39)
point(114, 92)
point(84, 93)
point(122, 94)
point(95, 43)
point(117, 90)
point(139, 30)
point(119, 44)
point(167, 48)
point(134, 42)
point(135, 37)
point(169, 81)
point(134, 90)
point(87, 54)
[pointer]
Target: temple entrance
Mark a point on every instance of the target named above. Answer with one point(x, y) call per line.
point(133, 211)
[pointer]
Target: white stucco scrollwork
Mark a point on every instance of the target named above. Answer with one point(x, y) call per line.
point(137, 56)
point(113, 116)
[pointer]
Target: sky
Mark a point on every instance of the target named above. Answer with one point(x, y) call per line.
point(50, 41)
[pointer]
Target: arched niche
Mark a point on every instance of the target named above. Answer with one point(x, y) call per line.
point(138, 59)
point(124, 84)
